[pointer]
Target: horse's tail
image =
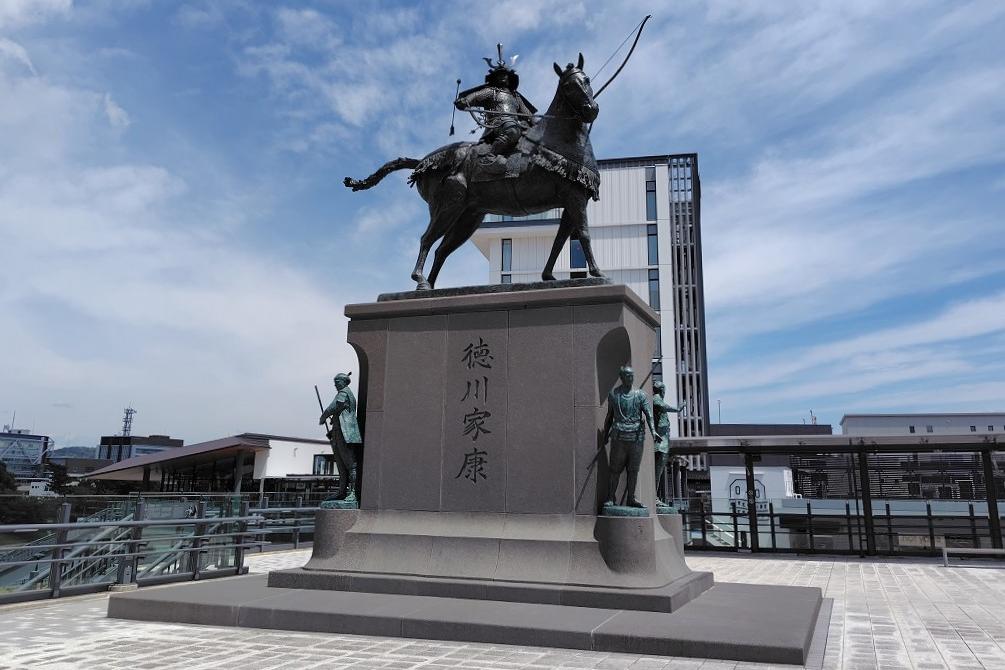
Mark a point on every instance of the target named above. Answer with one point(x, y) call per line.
point(384, 170)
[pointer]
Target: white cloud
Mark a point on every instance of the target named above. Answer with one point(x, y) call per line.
point(200, 17)
point(116, 115)
point(12, 51)
point(123, 281)
point(817, 126)
point(17, 13)
point(307, 28)
point(964, 341)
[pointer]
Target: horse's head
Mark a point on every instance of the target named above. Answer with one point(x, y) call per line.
point(574, 89)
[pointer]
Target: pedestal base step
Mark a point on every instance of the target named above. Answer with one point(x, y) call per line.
point(741, 622)
point(668, 598)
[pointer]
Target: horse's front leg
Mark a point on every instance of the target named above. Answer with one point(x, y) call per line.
point(564, 227)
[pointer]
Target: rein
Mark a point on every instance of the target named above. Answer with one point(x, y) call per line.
point(474, 112)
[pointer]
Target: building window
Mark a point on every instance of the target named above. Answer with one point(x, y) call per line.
point(577, 275)
point(654, 253)
point(910, 429)
point(650, 194)
point(324, 464)
point(973, 429)
point(506, 279)
point(991, 429)
point(654, 289)
point(657, 372)
point(929, 429)
point(659, 345)
point(577, 259)
point(507, 256)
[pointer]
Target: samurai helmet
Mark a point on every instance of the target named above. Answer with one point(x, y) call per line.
point(500, 68)
point(343, 377)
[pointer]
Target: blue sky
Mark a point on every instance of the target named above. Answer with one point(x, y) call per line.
point(175, 234)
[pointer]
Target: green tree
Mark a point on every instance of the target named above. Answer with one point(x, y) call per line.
point(7, 482)
point(59, 480)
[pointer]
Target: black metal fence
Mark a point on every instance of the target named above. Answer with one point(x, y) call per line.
point(864, 499)
point(142, 540)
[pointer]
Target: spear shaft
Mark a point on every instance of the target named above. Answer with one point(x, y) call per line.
point(322, 406)
point(454, 111)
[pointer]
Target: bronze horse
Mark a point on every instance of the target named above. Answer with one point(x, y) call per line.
point(559, 170)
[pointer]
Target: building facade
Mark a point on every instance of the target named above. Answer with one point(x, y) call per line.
point(245, 463)
point(23, 454)
point(646, 234)
point(949, 423)
point(117, 448)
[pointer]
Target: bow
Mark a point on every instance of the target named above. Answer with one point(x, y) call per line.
point(638, 34)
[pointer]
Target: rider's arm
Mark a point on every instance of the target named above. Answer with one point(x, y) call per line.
point(472, 99)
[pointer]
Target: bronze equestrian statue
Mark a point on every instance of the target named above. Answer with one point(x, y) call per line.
point(550, 164)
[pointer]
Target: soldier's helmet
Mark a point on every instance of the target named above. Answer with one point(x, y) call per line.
point(501, 74)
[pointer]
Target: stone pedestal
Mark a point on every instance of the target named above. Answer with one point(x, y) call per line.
point(483, 462)
point(478, 517)
point(540, 363)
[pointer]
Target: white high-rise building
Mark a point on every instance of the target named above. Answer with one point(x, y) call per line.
point(646, 233)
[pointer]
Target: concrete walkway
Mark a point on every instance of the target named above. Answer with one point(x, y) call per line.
point(894, 614)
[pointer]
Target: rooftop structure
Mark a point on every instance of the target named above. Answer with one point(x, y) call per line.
point(120, 447)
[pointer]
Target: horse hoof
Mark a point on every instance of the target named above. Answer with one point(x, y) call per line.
point(423, 286)
point(547, 276)
point(597, 273)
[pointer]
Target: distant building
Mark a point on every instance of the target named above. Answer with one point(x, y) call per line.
point(76, 466)
point(24, 454)
point(947, 423)
point(246, 463)
point(116, 448)
point(748, 429)
point(646, 234)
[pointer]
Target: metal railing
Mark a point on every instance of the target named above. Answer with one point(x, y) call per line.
point(144, 547)
point(835, 494)
point(796, 525)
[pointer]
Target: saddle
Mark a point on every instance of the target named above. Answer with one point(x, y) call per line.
point(484, 166)
point(464, 156)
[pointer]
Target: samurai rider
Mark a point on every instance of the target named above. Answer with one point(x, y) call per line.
point(509, 113)
point(627, 408)
point(661, 415)
point(344, 436)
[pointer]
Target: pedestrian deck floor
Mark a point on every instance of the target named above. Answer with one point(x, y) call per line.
point(887, 614)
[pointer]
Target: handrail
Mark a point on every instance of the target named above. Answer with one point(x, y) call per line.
point(27, 527)
point(91, 562)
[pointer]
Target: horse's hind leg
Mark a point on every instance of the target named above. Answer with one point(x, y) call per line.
point(564, 228)
point(425, 244)
point(583, 235)
point(464, 227)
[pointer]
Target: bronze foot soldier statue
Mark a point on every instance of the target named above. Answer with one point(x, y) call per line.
point(626, 410)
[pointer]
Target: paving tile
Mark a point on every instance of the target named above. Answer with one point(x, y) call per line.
point(886, 615)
